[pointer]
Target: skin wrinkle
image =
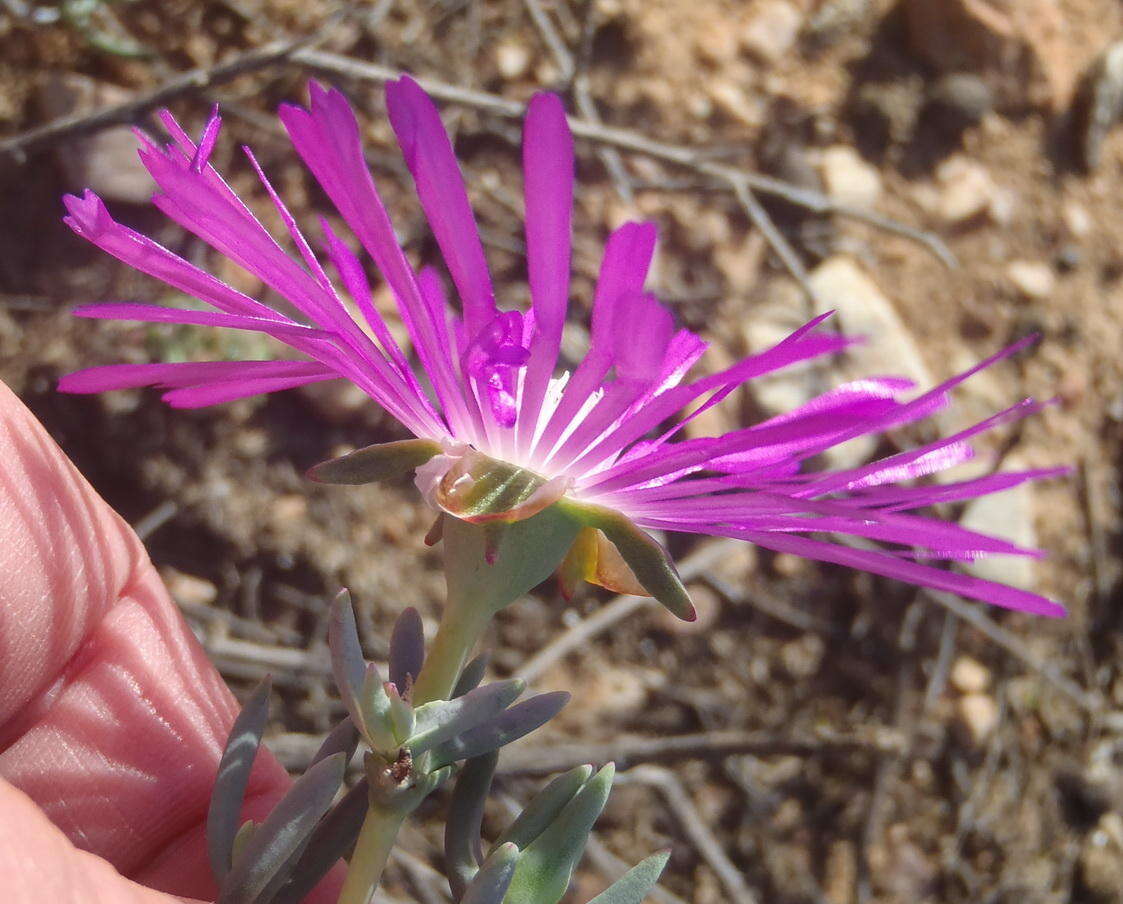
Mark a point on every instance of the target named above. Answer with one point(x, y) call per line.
point(111, 717)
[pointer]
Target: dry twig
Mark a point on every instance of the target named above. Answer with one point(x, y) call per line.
point(695, 829)
point(737, 180)
point(628, 753)
point(1090, 701)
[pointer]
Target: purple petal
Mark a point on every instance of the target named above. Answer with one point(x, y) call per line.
point(90, 219)
point(327, 139)
point(150, 313)
point(891, 566)
point(548, 189)
point(173, 376)
point(440, 187)
point(627, 258)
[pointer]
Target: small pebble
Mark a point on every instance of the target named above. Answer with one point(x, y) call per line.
point(1077, 219)
point(1101, 103)
point(771, 33)
point(801, 658)
point(969, 676)
point(1101, 861)
point(978, 716)
point(966, 96)
point(188, 588)
point(1069, 257)
point(848, 178)
point(966, 190)
point(1034, 279)
point(512, 59)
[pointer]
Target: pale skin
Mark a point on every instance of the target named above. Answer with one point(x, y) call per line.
point(111, 718)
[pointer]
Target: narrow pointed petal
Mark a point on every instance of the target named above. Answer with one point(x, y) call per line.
point(548, 188)
point(440, 187)
point(909, 572)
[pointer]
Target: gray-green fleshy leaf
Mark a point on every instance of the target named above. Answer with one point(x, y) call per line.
point(407, 649)
point(344, 738)
point(465, 816)
point(442, 720)
point(521, 719)
point(494, 878)
point(545, 806)
point(636, 883)
point(527, 554)
point(375, 707)
point(401, 714)
point(649, 561)
point(347, 663)
point(384, 461)
point(277, 844)
point(333, 838)
point(233, 773)
point(546, 865)
point(472, 675)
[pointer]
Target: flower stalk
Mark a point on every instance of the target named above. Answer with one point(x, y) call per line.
point(487, 567)
point(372, 851)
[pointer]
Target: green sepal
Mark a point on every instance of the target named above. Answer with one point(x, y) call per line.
point(373, 464)
point(528, 552)
point(499, 488)
point(634, 885)
point(648, 560)
point(546, 865)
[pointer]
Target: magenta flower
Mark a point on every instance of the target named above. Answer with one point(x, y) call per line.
point(502, 434)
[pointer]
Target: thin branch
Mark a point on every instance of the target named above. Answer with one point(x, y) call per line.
point(627, 140)
point(195, 80)
point(1089, 701)
point(695, 828)
point(627, 753)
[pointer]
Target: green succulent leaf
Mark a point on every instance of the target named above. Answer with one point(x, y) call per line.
point(381, 462)
point(233, 773)
point(545, 806)
point(463, 850)
point(407, 649)
point(546, 865)
point(347, 663)
point(378, 713)
point(275, 847)
point(494, 878)
point(442, 720)
point(344, 738)
point(521, 719)
point(472, 675)
point(333, 838)
point(636, 883)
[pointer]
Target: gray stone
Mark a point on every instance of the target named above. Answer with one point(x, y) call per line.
point(1008, 515)
point(107, 160)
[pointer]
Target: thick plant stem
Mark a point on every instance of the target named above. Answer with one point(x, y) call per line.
point(372, 850)
point(461, 626)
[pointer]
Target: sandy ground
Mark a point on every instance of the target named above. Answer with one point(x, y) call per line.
point(936, 763)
